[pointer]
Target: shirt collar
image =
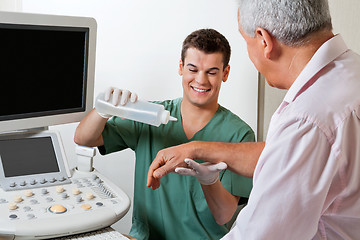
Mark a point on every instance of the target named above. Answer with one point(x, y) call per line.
point(328, 52)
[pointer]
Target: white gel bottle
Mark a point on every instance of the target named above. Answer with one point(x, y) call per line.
point(140, 111)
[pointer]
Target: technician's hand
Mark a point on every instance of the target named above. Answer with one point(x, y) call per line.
point(206, 173)
point(119, 96)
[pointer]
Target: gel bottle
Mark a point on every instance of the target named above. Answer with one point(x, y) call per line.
point(140, 111)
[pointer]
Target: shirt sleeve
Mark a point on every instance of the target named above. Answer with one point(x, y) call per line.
point(119, 134)
point(291, 182)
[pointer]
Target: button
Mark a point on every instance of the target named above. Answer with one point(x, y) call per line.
point(22, 183)
point(62, 179)
point(76, 191)
point(60, 189)
point(89, 195)
point(100, 204)
point(79, 199)
point(27, 208)
point(52, 180)
point(43, 181)
point(12, 206)
point(29, 193)
point(44, 191)
point(34, 201)
point(57, 208)
point(30, 216)
point(18, 199)
point(86, 206)
point(33, 182)
point(64, 195)
point(13, 184)
point(13, 216)
point(49, 199)
point(2, 200)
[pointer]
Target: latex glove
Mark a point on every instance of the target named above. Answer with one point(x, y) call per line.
point(119, 96)
point(206, 173)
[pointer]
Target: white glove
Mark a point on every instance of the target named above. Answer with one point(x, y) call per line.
point(206, 173)
point(118, 96)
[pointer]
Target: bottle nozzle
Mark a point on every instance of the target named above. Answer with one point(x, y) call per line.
point(172, 118)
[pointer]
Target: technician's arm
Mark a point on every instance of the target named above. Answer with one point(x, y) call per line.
point(241, 158)
point(88, 133)
point(222, 204)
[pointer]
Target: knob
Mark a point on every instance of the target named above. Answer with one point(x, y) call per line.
point(60, 189)
point(86, 206)
point(89, 195)
point(57, 208)
point(12, 206)
point(28, 193)
point(18, 199)
point(76, 191)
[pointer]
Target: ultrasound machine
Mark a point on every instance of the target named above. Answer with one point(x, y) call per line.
point(47, 67)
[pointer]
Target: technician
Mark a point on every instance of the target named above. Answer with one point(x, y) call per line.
point(306, 176)
point(184, 208)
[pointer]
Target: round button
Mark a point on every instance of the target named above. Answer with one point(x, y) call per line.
point(27, 208)
point(60, 189)
point(30, 216)
point(13, 216)
point(33, 182)
point(12, 206)
point(29, 193)
point(49, 199)
point(89, 195)
point(76, 191)
point(86, 206)
point(34, 201)
point(44, 191)
point(57, 208)
point(18, 199)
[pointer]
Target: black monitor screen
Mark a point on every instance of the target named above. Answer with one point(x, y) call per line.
point(27, 156)
point(42, 70)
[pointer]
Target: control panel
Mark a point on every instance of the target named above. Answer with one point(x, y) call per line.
point(79, 202)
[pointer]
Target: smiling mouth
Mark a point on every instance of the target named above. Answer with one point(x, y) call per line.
point(200, 90)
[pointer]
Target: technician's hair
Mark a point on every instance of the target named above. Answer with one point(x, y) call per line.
point(208, 41)
point(289, 21)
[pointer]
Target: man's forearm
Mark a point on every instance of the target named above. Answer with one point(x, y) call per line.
point(241, 158)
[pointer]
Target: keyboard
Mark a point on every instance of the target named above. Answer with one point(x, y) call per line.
point(102, 234)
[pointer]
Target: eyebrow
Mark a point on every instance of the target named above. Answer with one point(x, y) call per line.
point(210, 69)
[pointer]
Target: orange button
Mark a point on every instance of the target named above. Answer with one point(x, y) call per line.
point(57, 208)
point(86, 206)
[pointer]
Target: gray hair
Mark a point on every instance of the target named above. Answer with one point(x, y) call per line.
point(289, 21)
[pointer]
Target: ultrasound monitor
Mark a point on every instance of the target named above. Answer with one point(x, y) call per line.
point(46, 69)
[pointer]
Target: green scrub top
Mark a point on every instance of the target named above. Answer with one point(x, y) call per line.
point(178, 209)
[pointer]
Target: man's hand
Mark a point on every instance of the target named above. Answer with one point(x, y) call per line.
point(119, 96)
point(166, 161)
point(206, 173)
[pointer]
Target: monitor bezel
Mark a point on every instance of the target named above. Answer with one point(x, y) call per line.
point(34, 122)
point(64, 171)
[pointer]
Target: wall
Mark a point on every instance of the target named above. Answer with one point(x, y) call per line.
point(345, 21)
point(138, 48)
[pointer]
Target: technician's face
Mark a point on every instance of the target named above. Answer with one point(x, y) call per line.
point(202, 77)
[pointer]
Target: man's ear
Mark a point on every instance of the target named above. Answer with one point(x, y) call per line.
point(265, 41)
point(180, 67)
point(226, 73)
